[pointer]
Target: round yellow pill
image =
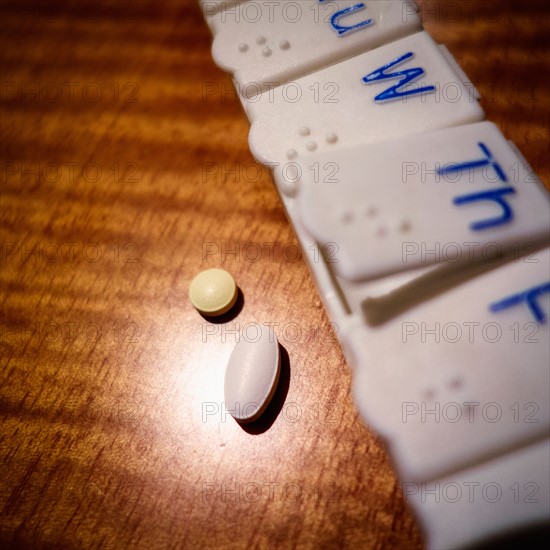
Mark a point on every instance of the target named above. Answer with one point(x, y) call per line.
point(213, 292)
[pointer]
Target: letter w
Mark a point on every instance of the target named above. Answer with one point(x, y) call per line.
point(405, 77)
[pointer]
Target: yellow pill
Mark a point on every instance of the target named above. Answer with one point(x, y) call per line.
point(213, 292)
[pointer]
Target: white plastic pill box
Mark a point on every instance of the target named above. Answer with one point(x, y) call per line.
point(427, 234)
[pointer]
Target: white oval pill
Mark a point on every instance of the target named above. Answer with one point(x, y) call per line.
point(213, 292)
point(252, 375)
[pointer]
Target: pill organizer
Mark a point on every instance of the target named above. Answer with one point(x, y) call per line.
point(265, 43)
point(385, 191)
point(293, 120)
point(427, 235)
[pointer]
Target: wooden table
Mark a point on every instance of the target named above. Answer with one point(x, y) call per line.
point(125, 171)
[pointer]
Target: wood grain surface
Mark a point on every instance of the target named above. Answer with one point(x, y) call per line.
point(125, 171)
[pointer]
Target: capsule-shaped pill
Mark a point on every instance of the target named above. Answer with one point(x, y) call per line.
point(252, 375)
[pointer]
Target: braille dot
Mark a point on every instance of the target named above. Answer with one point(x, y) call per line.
point(331, 137)
point(304, 131)
point(381, 232)
point(291, 154)
point(371, 211)
point(429, 394)
point(456, 383)
point(405, 227)
point(261, 40)
point(243, 47)
point(284, 44)
point(311, 146)
point(346, 217)
point(213, 292)
point(290, 187)
point(266, 52)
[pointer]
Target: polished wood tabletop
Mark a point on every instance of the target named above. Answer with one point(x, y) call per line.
point(125, 171)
